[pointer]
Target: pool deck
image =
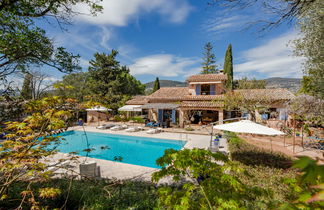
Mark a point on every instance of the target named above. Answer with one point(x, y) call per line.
point(118, 170)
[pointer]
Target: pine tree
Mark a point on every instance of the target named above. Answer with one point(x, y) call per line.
point(26, 91)
point(209, 66)
point(228, 67)
point(156, 85)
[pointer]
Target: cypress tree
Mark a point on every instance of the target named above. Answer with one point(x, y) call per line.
point(228, 67)
point(209, 66)
point(26, 91)
point(156, 85)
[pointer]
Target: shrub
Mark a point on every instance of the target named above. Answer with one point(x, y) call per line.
point(137, 119)
point(89, 194)
point(119, 118)
point(189, 129)
point(249, 154)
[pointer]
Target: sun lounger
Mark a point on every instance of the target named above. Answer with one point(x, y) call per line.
point(116, 128)
point(133, 129)
point(124, 126)
point(119, 127)
point(105, 126)
point(154, 130)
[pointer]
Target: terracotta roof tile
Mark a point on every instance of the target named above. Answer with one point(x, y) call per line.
point(202, 104)
point(169, 94)
point(207, 77)
point(202, 97)
point(137, 100)
point(272, 94)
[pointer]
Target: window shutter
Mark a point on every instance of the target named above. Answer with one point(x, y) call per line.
point(198, 89)
point(160, 115)
point(212, 90)
point(174, 120)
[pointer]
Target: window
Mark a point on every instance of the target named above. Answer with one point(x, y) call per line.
point(205, 89)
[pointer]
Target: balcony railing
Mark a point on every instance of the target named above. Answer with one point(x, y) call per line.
point(208, 93)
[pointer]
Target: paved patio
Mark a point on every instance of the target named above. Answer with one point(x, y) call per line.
point(118, 170)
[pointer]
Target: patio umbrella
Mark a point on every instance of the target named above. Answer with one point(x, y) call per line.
point(247, 126)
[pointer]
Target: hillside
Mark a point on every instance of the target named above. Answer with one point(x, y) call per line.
point(292, 84)
point(165, 83)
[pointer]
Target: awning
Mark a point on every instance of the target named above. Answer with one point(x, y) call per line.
point(247, 126)
point(130, 108)
point(99, 109)
point(160, 106)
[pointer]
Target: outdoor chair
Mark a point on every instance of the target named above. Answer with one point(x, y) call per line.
point(89, 170)
point(156, 124)
point(150, 124)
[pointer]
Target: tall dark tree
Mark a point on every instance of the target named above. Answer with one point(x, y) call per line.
point(209, 66)
point(156, 85)
point(228, 67)
point(111, 82)
point(26, 91)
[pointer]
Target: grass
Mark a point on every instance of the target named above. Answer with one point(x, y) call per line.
point(251, 155)
point(262, 168)
point(89, 194)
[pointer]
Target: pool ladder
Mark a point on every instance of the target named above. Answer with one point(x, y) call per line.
point(186, 136)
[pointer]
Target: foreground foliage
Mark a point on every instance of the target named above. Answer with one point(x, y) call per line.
point(88, 194)
point(27, 143)
point(204, 183)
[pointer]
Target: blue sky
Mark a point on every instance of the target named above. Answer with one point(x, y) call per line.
point(165, 38)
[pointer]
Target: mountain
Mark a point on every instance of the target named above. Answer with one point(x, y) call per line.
point(165, 83)
point(292, 84)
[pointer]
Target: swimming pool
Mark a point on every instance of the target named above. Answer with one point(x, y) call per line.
point(135, 150)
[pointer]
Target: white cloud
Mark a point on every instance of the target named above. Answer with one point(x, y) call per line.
point(272, 59)
point(222, 24)
point(163, 65)
point(120, 12)
point(105, 37)
point(84, 63)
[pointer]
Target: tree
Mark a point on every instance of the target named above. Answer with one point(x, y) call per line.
point(26, 91)
point(308, 16)
point(284, 11)
point(110, 82)
point(35, 85)
point(209, 66)
point(156, 85)
point(308, 109)
point(79, 86)
point(228, 67)
point(247, 101)
point(27, 146)
point(22, 43)
point(310, 46)
point(246, 83)
point(202, 183)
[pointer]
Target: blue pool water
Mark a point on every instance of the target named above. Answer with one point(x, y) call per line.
point(133, 150)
